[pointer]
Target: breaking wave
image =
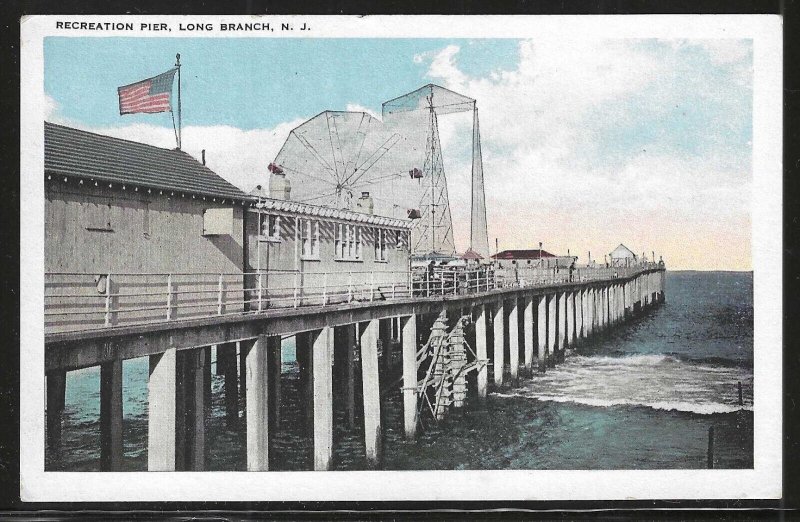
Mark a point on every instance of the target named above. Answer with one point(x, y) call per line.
point(661, 382)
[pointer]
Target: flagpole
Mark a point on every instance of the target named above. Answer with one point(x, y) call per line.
point(178, 65)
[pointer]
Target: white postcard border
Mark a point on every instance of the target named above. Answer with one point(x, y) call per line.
point(764, 481)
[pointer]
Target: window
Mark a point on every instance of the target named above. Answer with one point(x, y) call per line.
point(270, 227)
point(381, 239)
point(348, 242)
point(309, 238)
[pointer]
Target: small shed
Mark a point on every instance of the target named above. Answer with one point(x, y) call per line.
point(622, 256)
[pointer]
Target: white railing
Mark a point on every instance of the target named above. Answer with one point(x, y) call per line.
point(80, 301)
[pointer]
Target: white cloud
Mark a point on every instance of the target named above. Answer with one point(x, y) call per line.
point(354, 107)
point(536, 129)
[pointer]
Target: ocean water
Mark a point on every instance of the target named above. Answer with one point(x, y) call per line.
point(642, 396)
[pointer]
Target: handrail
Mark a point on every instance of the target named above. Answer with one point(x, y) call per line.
point(104, 303)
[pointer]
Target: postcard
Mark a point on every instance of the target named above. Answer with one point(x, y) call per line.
point(401, 257)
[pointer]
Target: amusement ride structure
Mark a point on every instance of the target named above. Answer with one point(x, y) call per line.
point(337, 155)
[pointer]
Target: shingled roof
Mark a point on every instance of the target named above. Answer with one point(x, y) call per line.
point(73, 152)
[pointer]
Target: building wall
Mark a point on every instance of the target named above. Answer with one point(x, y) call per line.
point(284, 266)
point(91, 231)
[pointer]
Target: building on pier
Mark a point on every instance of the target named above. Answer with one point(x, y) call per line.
point(623, 256)
point(534, 258)
point(119, 212)
point(327, 253)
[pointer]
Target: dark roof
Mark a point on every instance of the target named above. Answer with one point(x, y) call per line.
point(73, 152)
point(471, 255)
point(522, 254)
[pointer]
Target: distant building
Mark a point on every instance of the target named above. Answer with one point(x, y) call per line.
point(472, 257)
point(622, 256)
point(533, 258)
point(137, 213)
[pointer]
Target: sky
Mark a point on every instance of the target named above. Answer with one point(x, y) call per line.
point(586, 143)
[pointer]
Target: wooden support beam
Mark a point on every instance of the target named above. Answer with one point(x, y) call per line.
point(242, 370)
point(196, 418)
point(274, 365)
point(541, 331)
point(499, 336)
point(528, 332)
point(570, 319)
point(371, 393)
point(305, 362)
point(513, 341)
point(257, 405)
point(481, 333)
point(111, 458)
point(56, 393)
point(349, 340)
point(552, 327)
point(161, 420)
point(322, 354)
point(409, 340)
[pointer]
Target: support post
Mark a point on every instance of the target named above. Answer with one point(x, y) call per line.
point(499, 334)
point(541, 331)
point(481, 332)
point(513, 341)
point(56, 389)
point(552, 327)
point(274, 364)
point(190, 410)
point(409, 339)
point(349, 371)
point(227, 365)
point(570, 319)
point(371, 393)
point(305, 362)
point(528, 333)
point(161, 425)
point(257, 398)
point(111, 416)
point(322, 355)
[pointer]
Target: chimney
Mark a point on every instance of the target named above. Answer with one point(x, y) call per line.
point(203, 156)
point(279, 186)
point(365, 204)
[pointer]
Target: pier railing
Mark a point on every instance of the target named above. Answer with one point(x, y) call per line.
point(81, 301)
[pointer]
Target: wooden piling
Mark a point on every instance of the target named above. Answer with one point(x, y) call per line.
point(541, 332)
point(322, 367)
point(552, 327)
point(527, 327)
point(513, 342)
point(56, 393)
point(257, 405)
point(371, 393)
point(409, 340)
point(741, 399)
point(161, 390)
point(349, 374)
point(111, 416)
point(227, 366)
point(274, 365)
point(481, 332)
point(305, 389)
point(499, 336)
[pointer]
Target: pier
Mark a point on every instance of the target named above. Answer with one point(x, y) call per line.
point(513, 323)
point(151, 254)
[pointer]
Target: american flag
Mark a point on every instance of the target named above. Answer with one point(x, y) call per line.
point(150, 95)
